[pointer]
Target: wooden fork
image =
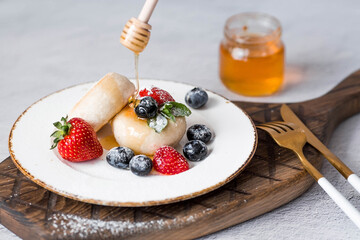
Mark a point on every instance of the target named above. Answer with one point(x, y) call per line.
point(289, 135)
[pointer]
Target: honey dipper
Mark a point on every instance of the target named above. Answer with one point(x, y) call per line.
point(136, 33)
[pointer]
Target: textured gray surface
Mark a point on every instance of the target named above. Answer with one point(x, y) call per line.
point(50, 45)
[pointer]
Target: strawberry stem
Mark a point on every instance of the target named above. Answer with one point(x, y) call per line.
point(63, 130)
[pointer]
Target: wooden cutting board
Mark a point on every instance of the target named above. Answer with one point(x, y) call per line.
point(274, 177)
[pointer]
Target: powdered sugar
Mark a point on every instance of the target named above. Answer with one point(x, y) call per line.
point(72, 225)
point(199, 132)
point(69, 225)
point(158, 123)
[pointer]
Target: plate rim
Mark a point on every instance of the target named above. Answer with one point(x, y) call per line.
point(129, 204)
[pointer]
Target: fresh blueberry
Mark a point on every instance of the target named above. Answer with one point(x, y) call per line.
point(119, 157)
point(141, 165)
point(195, 150)
point(147, 107)
point(196, 97)
point(199, 132)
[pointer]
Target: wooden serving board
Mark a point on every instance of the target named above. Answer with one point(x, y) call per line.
point(274, 177)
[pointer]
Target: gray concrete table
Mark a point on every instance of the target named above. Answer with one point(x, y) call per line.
point(50, 45)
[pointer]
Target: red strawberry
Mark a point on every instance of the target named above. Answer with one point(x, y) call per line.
point(169, 161)
point(76, 140)
point(161, 96)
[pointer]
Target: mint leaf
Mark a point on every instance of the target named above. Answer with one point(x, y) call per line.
point(169, 110)
point(165, 110)
point(179, 109)
point(174, 109)
point(158, 123)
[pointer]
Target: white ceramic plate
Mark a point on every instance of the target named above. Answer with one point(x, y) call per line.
point(97, 182)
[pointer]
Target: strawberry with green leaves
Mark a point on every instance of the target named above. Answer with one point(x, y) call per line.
point(76, 140)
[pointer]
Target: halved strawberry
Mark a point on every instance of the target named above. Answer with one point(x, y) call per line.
point(76, 140)
point(161, 96)
point(169, 161)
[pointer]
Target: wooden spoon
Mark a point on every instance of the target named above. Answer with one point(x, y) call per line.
point(136, 33)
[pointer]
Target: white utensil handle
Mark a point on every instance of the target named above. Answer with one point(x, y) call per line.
point(341, 201)
point(354, 180)
point(147, 10)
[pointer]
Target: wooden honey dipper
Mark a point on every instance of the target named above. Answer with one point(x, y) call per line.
point(136, 33)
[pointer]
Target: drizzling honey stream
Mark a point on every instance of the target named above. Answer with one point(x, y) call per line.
point(136, 34)
point(137, 75)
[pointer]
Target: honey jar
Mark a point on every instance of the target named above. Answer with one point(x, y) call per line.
point(252, 54)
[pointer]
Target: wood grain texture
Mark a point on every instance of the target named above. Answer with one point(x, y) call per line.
point(274, 177)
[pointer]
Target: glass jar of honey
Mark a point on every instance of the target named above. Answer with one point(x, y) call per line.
point(252, 54)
